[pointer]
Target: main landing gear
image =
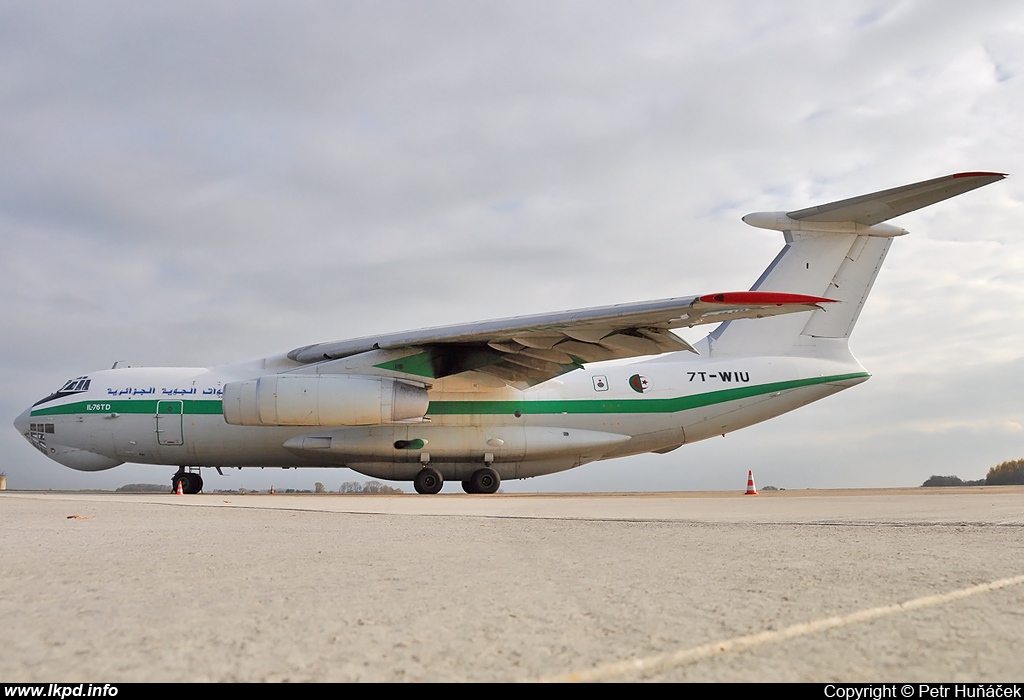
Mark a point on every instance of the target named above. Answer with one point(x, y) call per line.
point(483, 480)
point(429, 480)
point(191, 482)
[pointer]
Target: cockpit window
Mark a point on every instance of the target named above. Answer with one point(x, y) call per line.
point(72, 386)
point(76, 384)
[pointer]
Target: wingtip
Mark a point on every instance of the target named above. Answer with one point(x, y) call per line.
point(980, 174)
point(757, 298)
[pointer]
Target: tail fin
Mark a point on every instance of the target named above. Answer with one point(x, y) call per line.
point(834, 251)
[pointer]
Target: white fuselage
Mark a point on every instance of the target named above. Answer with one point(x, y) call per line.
point(174, 416)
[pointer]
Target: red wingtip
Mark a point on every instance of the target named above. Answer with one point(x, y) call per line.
point(762, 298)
point(979, 174)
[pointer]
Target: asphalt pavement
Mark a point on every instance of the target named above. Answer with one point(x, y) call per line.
point(915, 585)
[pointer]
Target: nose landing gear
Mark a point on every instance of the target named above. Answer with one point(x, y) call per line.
point(191, 482)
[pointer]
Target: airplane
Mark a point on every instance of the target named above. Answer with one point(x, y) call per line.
point(511, 398)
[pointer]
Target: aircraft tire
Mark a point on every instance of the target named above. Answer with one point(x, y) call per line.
point(467, 486)
point(429, 480)
point(485, 480)
point(190, 483)
point(183, 478)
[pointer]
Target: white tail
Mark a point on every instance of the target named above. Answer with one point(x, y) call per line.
point(834, 251)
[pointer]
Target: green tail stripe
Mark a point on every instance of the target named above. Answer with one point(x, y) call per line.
point(638, 405)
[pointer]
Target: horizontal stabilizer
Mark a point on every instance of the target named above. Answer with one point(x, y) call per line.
point(871, 209)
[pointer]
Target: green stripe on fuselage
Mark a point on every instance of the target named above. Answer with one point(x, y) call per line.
point(638, 405)
point(146, 406)
point(460, 408)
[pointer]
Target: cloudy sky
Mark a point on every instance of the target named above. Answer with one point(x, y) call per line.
point(198, 183)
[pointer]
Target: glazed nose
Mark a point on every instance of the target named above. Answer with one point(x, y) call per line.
point(22, 421)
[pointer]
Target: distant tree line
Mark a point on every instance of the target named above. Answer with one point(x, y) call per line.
point(145, 488)
point(936, 480)
point(1006, 473)
point(1011, 472)
point(373, 487)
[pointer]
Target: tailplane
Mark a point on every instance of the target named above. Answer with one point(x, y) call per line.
point(833, 251)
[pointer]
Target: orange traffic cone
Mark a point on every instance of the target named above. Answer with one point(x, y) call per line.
point(751, 491)
point(180, 492)
point(271, 490)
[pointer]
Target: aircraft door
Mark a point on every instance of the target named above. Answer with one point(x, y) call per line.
point(169, 417)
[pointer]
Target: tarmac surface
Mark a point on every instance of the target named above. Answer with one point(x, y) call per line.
point(922, 585)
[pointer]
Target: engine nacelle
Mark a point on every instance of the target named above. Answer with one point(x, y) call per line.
point(323, 400)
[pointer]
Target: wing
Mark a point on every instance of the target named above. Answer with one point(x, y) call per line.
point(532, 349)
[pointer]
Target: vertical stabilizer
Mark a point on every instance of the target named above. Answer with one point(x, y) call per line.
point(834, 251)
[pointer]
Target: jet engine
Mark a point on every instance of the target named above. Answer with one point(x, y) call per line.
point(323, 400)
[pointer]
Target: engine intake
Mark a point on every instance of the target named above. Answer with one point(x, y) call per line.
point(323, 400)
